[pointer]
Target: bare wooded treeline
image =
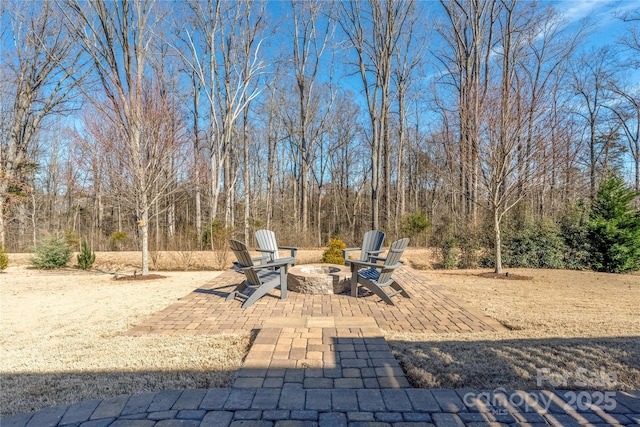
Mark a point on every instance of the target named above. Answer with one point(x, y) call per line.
point(140, 124)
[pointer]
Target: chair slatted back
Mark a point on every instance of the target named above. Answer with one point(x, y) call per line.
point(393, 257)
point(372, 241)
point(267, 240)
point(244, 260)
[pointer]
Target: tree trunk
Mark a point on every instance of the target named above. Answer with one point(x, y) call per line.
point(3, 233)
point(497, 240)
point(246, 175)
point(144, 229)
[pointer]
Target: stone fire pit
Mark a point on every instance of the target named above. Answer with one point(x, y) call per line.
point(319, 279)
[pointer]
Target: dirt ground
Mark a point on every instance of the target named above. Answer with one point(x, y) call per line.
point(63, 333)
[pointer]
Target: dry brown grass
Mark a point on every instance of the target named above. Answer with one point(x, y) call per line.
point(63, 339)
point(569, 322)
point(128, 262)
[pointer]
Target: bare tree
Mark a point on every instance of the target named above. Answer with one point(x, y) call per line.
point(513, 145)
point(41, 74)
point(373, 29)
point(591, 77)
point(469, 35)
point(627, 112)
point(408, 58)
point(225, 58)
point(117, 37)
point(631, 39)
point(310, 40)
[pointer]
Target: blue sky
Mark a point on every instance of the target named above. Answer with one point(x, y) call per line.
point(607, 27)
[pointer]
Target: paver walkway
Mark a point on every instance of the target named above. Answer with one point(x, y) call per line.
point(296, 407)
point(322, 361)
point(321, 358)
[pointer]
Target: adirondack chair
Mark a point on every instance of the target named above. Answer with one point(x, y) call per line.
point(267, 245)
point(259, 279)
point(377, 277)
point(371, 244)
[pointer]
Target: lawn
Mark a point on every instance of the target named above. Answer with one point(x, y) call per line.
point(566, 329)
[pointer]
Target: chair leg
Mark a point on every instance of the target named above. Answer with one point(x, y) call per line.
point(396, 286)
point(354, 284)
point(260, 292)
point(239, 289)
point(283, 283)
point(375, 289)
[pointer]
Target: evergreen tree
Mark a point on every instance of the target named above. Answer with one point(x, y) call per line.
point(86, 257)
point(4, 258)
point(614, 228)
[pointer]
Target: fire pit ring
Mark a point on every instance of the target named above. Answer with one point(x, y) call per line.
point(324, 279)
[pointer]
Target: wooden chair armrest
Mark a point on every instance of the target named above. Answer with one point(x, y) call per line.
point(345, 252)
point(355, 264)
point(277, 263)
point(292, 249)
point(265, 250)
point(261, 259)
point(350, 249)
point(268, 266)
point(390, 267)
point(375, 252)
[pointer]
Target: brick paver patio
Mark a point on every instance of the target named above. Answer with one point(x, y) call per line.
point(205, 311)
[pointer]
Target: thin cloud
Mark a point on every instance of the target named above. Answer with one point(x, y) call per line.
point(577, 10)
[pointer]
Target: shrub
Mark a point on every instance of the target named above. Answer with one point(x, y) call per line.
point(470, 246)
point(414, 224)
point(4, 258)
point(444, 240)
point(72, 239)
point(211, 233)
point(216, 237)
point(614, 228)
point(86, 257)
point(51, 252)
point(449, 254)
point(117, 238)
point(534, 244)
point(530, 244)
point(573, 229)
point(333, 254)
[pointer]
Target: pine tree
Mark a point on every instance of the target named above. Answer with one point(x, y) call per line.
point(86, 257)
point(614, 228)
point(4, 258)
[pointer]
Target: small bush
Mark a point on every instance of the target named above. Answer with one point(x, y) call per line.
point(449, 254)
point(72, 239)
point(86, 257)
point(52, 252)
point(470, 247)
point(415, 224)
point(333, 254)
point(211, 234)
point(117, 239)
point(4, 258)
point(215, 236)
point(530, 244)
